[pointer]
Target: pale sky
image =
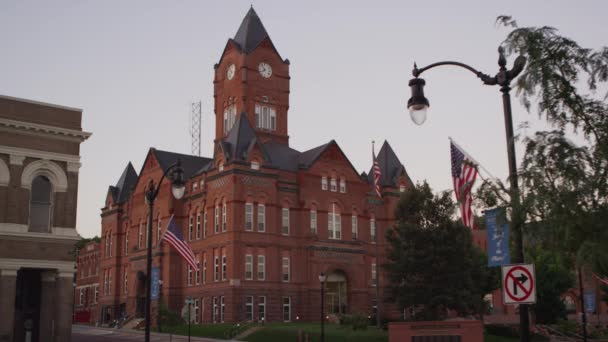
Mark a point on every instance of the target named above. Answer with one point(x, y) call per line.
point(134, 67)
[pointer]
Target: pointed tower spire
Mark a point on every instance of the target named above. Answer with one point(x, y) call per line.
point(251, 32)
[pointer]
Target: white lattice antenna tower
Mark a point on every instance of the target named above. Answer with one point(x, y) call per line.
point(195, 127)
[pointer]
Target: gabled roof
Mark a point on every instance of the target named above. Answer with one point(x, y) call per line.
point(282, 156)
point(191, 164)
point(251, 32)
point(307, 158)
point(390, 166)
point(127, 180)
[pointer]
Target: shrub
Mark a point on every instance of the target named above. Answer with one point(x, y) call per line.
point(359, 321)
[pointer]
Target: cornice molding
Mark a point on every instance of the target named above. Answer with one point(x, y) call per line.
point(64, 268)
point(53, 132)
point(24, 152)
point(15, 159)
point(21, 231)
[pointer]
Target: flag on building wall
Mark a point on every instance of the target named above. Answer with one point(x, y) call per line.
point(464, 172)
point(175, 238)
point(377, 173)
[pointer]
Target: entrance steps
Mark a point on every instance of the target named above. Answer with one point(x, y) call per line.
point(133, 323)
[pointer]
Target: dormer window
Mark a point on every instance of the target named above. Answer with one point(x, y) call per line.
point(324, 183)
point(229, 117)
point(265, 117)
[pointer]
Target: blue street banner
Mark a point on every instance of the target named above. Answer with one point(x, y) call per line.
point(155, 283)
point(497, 230)
point(589, 302)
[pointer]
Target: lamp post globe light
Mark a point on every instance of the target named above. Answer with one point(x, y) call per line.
point(175, 173)
point(418, 106)
point(322, 279)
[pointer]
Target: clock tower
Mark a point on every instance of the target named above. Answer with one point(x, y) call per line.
point(252, 80)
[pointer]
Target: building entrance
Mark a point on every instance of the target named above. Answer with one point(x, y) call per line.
point(27, 305)
point(336, 293)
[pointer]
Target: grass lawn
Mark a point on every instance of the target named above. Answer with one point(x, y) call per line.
point(334, 333)
point(201, 330)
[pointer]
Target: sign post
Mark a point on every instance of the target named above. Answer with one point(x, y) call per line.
point(518, 284)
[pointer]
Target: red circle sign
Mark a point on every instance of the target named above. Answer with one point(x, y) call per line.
point(517, 288)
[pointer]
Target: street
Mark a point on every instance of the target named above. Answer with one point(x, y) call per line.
point(83, 333)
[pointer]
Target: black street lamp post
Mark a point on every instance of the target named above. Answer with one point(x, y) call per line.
point(177, 188)
point(322, 278)
point(418, 106)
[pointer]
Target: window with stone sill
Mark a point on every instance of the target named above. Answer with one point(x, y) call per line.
point(333, 185)
point(323, 183)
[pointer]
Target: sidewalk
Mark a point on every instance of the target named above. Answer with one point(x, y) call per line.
point(113, 333)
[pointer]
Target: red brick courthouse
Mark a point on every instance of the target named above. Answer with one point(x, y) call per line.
point(263, 218)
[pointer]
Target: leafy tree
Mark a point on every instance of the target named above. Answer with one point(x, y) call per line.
point(564, 186)
point(553, 278)
point(433, 265)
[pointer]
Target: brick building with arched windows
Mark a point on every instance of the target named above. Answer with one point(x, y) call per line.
point(263, 219)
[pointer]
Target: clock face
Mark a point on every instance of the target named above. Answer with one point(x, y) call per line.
point(230, 71)
point(265, 69)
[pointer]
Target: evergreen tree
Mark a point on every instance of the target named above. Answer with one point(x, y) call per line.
point(433, 264)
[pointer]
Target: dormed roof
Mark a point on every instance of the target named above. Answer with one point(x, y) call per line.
point(390, 166)
point(251, 32)
point(121, 191)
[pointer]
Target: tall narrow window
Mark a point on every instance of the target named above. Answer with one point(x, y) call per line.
point(197, 277)
point(285, 221)
point(126, 282)
point(216, 219)
point(140, 237)
point(215, 310)
point(372, 229)
point(205, 224)
point(249, 308)
point(265, 117)
point(248, 216)
point(334, 223)
point(81, 296)
point(216, 268)
point(190, 228)
point(261, 218)
point(224, 217)
point(96, 294)
point(229, 117)
point(342, 185)
point(324, 183)
point(110, 238)
point(223, 308)
point(355, 226)
point(127, 241)
point(261, 267)
point(198, 225)
point(262, 308)
point(374, 275)
point(205, 268)
point(285, 269)
point(333, 185)
point(286, 309)
point(189, 275)
point(248, 267)
point(313, 221)
point(224, 267)
point(40, 205)
point(273, 119)
point(196, 310)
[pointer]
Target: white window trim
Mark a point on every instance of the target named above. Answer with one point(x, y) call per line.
point(313, 221)
point(248, 267)
point(261, 218)
point(261, 269)
point(248, 216)
point(285, 229)
point(283, 274)
point(354, 221)
point(323, 183)
point(224, 267)
point(288, 306)
point(224, 217)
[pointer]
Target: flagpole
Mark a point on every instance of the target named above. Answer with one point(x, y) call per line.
point(378, 318)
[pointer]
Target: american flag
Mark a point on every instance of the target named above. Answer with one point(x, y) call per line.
point(464, 172)
point(377, 173)
point(175, 238)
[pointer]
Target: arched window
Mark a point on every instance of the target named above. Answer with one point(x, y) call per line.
point(40, 205)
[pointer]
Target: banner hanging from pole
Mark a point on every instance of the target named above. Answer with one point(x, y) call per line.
point(497, 230)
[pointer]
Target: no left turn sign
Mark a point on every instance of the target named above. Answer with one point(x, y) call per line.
point(518, 284)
